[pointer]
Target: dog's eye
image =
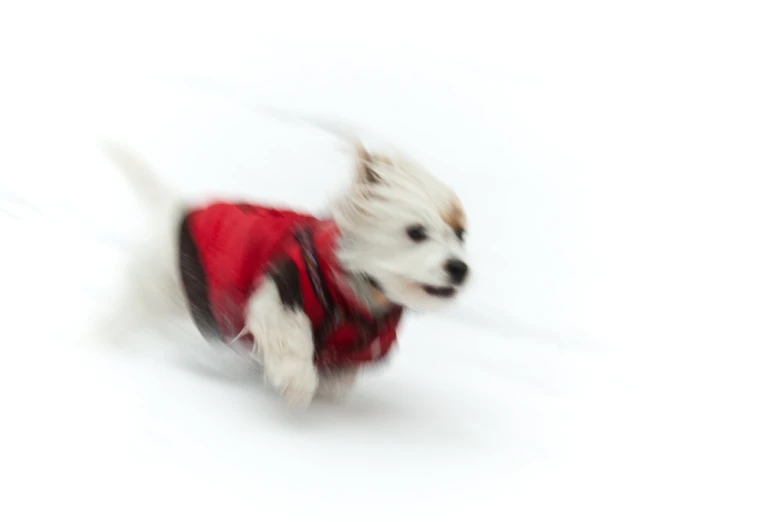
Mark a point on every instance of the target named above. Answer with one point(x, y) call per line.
point(460, 232)
point(417, 233)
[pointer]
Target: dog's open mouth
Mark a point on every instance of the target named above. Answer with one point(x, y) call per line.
point(440, 291)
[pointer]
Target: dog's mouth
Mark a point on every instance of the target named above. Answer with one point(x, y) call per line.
point(440, 291)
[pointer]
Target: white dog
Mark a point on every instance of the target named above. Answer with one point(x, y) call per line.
point(315, 298)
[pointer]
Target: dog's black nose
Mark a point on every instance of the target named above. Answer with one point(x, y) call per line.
point(457, 270)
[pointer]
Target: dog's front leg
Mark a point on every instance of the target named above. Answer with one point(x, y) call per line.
point(284, 341)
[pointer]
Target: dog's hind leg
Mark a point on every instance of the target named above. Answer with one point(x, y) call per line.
point(336, 384)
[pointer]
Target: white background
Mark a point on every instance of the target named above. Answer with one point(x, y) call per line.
point(618, 356)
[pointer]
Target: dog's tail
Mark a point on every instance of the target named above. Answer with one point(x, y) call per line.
point(156, 195)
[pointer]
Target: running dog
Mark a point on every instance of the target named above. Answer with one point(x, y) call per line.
point(314, 299)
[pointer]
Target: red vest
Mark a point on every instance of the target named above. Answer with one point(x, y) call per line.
point(225, 251)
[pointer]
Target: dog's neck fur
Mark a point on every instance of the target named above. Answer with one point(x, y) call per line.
point(366, 291)
point(363, 287)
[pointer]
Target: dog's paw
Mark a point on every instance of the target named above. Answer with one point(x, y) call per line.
point(295, 381)
point(337, 385)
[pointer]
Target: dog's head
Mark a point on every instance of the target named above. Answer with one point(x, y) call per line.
point(404, 230)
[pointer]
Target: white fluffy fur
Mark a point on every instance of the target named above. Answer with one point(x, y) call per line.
point(284, 342)
point(386, 196)
point(373, 217)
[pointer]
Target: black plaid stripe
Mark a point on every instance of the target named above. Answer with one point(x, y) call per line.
point(194, 282)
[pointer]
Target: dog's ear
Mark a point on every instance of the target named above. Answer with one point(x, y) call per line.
point(364, 166)
point(454, 216)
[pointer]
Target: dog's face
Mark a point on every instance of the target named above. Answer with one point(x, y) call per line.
point(404, 230)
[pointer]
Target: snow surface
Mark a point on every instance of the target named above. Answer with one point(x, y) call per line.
point(617, 357)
